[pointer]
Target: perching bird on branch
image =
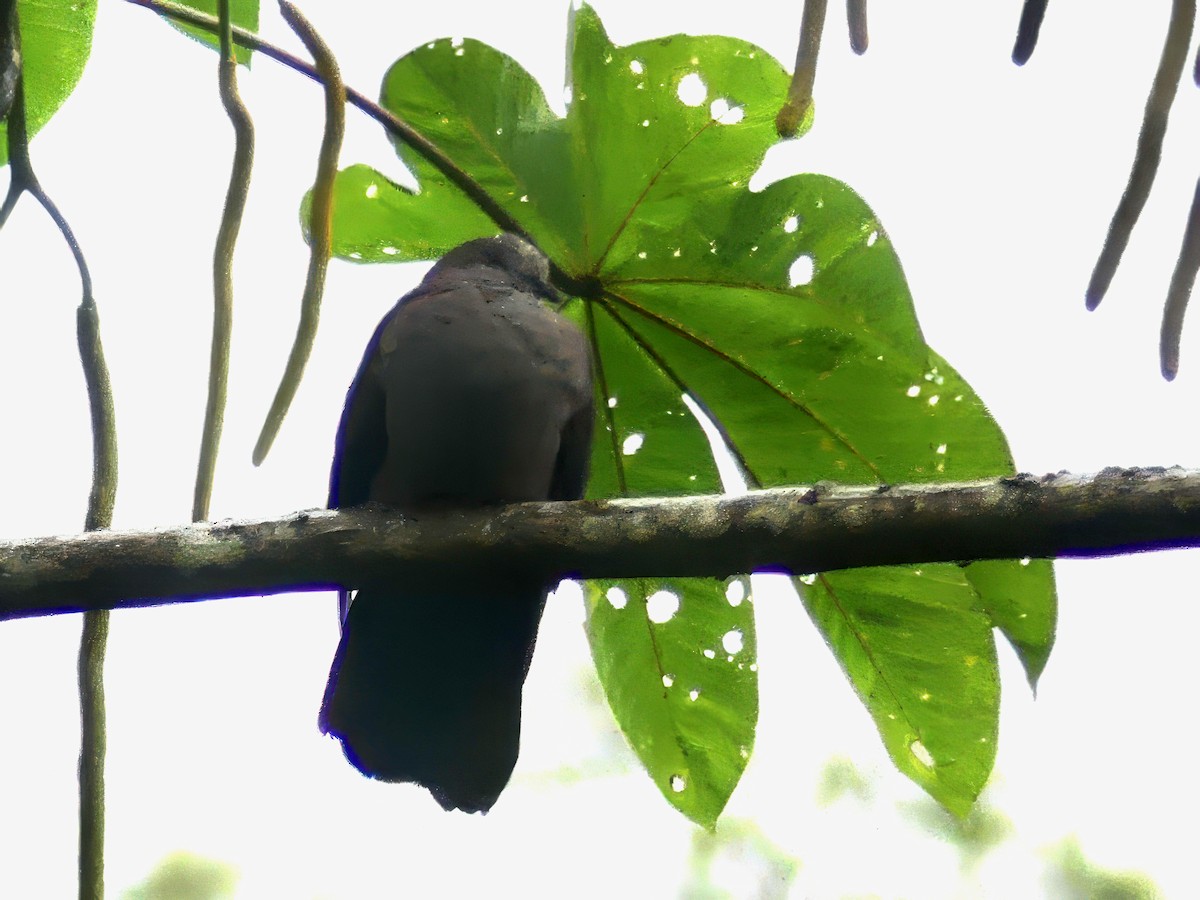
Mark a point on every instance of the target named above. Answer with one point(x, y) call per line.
point(472, 391)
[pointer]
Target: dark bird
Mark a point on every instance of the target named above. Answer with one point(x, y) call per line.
point(472, 391)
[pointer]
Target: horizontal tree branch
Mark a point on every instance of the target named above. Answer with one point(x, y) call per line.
point(797, 530)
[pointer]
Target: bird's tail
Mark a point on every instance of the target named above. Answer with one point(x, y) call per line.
point(428, 689)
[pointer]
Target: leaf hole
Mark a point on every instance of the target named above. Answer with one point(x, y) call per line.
point(616, 597)
point(724, 113)
point(735, 593)
point(802, 271)
point(661, 606)
point(733, 642)
point(692, 90)
point(633, 444)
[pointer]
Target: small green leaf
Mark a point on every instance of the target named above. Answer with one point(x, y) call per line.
point(56, 40)
point(242, 13)
point(677, 661)
point(1020, 599)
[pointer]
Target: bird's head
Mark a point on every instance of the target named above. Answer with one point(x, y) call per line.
point(515, 257)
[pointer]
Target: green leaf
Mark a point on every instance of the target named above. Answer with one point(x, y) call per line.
point(677, 661)
point(377, 220)
point(1016, 597)
point(921, 657)
point(56, 39)
point(243, 13)
point(784, 313)
point(506, 137)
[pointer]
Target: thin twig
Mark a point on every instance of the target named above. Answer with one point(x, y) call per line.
point(1149, 149)
point(320, 226)
point(93, 748)
point(104, 421)
point(856, 18)
point(231, 221)
point(94, 638)
point(1180, 291)
point(800, 93)
point(1028, 29)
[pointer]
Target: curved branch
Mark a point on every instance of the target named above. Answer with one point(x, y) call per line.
point(320, 228)
point(1149, 149)
point(231, 222)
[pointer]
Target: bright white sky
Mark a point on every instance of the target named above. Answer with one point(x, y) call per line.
point(996, 185)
